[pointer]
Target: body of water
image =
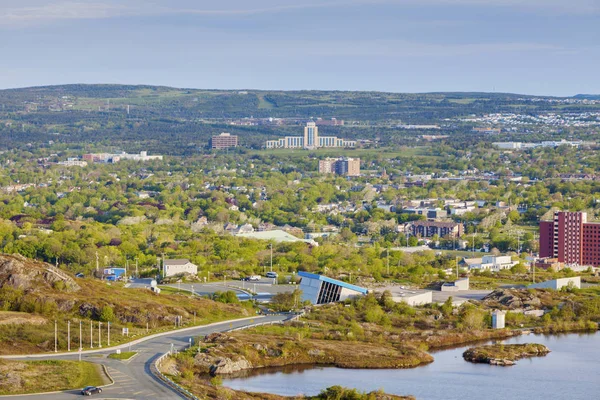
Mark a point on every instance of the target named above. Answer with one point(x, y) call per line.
point(571, 371)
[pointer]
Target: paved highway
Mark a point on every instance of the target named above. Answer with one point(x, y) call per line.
point(133, 379)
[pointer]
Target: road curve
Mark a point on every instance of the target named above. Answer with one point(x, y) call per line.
point(133, 379)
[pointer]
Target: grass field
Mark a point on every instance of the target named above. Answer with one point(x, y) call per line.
point(125, 355)
point(20, 377)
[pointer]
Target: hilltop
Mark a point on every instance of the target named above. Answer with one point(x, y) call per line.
point(36, 294)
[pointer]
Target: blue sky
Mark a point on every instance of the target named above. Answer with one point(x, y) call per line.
point(545, 47)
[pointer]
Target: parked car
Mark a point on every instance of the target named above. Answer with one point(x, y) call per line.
point(254, 277)
point(271, 274)
point(89, 390)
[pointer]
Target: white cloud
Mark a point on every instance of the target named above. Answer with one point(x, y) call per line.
point(17, 12)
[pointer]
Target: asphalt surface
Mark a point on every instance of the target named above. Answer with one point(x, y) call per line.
point(133, 379)
point(262, 290)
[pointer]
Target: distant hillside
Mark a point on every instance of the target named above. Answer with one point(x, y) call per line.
point(588, 96)
point(180, 121)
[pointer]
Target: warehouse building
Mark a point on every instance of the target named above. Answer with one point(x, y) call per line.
point(319, 289)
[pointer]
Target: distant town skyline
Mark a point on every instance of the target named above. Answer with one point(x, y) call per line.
point(536, 47)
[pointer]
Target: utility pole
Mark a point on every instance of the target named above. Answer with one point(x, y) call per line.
point(97, 263)
point(136, 268)
point(271, 244)
point(388, 260)
point(456, 261)
point(91, 334)
point(100, 334)
point(108, 333)
point(55, 336)
point(68, 335)
point(80, 338)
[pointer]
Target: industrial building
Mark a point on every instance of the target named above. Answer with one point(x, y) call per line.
point(558, 284)
point(570, 239)
point(114, 274)
point(310, 141)
point(224, 141)
point(179, 266)
point(319, 289)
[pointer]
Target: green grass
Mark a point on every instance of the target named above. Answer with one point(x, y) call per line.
point(125, 355)
point(47, 376)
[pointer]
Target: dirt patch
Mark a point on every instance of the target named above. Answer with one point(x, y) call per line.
point(18, 318)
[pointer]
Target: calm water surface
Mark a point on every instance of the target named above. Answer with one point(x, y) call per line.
point(571, 371)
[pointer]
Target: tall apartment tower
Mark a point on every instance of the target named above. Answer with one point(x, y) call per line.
point(327, 166)
point(311, 136)
point(570, 239)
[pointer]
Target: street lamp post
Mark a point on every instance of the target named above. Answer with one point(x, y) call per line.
point(91, 334)
point(100, 334)
point(271, 244)
point(55, 336)
point(80, 338)
point(108, 333)
point(68, 335)
point(388, 260)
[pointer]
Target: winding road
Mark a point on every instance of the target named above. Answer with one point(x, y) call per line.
point(132, 378)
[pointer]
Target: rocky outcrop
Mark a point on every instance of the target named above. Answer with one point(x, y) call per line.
point(504, 355)
point(517, 299)
point(228, 366)
point(25, 274)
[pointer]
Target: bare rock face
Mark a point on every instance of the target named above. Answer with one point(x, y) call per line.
point(514, 299)
point(22, 273)
point(226, 365)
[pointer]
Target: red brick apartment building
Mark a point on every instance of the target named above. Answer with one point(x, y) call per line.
point(570, 239)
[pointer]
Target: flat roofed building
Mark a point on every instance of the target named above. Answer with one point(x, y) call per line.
point(558, 284)
point(428, 229)
point(310, 140)
point(179, 266)
point(224, 141)
point(319, 289)
point(570, 239)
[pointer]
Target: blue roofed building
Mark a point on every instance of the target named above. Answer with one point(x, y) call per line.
point(319, 289)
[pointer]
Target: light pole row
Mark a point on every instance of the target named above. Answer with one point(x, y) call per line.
point(81, 335)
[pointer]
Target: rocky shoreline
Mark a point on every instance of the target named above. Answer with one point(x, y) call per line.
point(504, 354)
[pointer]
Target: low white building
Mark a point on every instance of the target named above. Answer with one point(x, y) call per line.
point(558, 284)
point(413, 298)
point(459, 284)
point(179, 266)
point(490, 263)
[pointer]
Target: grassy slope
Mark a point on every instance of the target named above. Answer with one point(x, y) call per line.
point(46, 376)
point(135, 309)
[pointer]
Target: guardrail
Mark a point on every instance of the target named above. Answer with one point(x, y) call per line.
point(155, 366)
point(155, 369)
